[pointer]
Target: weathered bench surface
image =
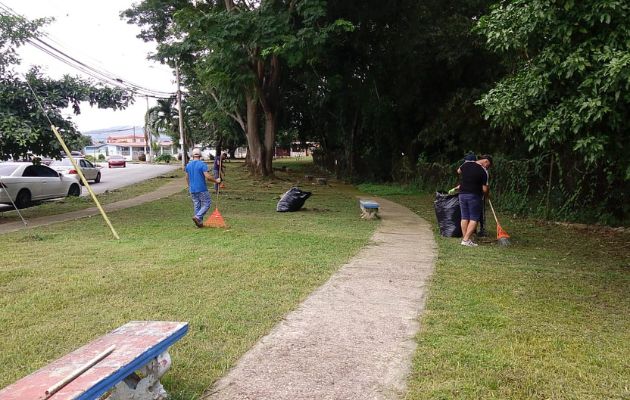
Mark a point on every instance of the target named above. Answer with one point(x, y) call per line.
point(368, 204)
point(137, 343)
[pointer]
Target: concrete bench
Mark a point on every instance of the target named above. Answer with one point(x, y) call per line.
point(369, 209)
point(128, 362)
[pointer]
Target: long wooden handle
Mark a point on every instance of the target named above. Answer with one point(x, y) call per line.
point(493, 213)
point(77, 372)
point(85, 182)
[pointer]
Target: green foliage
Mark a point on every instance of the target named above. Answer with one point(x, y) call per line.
point(569, 87)
point(404, 81)
point(101, 157)
point(435, 176)
point(14, 32)
point(523, 187)
point(24, 125)
point(165, 158)
point(230, 51)
point(163, 118)
point(388, 189)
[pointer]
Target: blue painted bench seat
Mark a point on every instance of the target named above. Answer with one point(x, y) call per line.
point(369, 209)
point(137, 346)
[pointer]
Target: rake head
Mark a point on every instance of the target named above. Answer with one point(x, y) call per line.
point(502, 236)
point(215, 220)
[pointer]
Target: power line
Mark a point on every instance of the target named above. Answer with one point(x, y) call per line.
point(100, 75)
point(106, 77)
point(95, 73)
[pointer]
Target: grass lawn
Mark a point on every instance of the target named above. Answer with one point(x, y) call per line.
point(63, 285)
point(546, 318)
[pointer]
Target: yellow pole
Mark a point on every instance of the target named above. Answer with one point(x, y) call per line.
point(85, 182)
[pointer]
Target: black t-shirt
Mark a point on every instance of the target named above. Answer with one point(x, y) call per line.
point(473, 177)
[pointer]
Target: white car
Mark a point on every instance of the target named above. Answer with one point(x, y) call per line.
point(90, 171)
point(22, 183)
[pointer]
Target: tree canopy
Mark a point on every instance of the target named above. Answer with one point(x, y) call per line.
point(568, 89)
point(29, 104)
point(237, 54)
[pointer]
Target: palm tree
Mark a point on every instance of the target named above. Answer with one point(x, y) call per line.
point(162, 118)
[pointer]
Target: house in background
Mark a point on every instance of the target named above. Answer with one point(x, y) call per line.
point(130, 146)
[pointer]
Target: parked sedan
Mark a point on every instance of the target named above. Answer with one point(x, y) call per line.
point(23, 183)
point(116, 161)
point(90, 171)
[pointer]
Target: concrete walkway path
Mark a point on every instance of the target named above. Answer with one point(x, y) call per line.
point(353, 338)
point(175, 186)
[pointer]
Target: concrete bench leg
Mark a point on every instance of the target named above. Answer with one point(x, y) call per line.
point(144, 385)
point(369, 213)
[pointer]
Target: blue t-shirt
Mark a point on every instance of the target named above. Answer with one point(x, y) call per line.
point(195, 170)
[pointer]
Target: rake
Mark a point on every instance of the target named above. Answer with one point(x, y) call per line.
point(502, 236)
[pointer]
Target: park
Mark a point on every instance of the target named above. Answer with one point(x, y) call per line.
point(358, 294)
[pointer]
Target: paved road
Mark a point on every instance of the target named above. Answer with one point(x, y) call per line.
point(115, 178)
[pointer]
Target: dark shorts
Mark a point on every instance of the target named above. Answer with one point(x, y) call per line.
point(471, 205)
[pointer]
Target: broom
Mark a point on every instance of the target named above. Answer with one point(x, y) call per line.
point(215, 220)
point(502, 237)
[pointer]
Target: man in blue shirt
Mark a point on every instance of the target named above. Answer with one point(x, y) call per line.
point(196, 175)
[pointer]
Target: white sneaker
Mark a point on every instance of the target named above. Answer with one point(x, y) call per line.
point(469, 243)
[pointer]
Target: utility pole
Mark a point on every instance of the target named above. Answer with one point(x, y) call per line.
point(181, 117)
point(148, 131)
point(133, 141)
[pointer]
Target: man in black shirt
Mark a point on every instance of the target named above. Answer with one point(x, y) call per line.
point(472, 188)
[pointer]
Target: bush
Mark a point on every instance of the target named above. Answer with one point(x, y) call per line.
point(523, 187)
point(165, 158)
point(90, 158)
point(142, 157)
point(101, 157)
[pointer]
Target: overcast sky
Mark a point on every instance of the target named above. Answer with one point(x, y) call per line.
point(92, 32)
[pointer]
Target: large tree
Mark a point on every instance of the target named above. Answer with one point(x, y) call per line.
point(236, 52)
point(569, 86)
point(30, 104)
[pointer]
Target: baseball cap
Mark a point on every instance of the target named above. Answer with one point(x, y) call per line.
point(470, 157)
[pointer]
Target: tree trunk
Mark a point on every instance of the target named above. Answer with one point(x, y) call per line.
point(254, 153)
point(270, 137)
point(268, 90)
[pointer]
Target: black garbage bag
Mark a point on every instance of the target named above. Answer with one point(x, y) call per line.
point(448, 214)
point(292, 200)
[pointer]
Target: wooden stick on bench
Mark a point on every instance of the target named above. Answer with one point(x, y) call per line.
point(89, 372)
point(76, 373)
